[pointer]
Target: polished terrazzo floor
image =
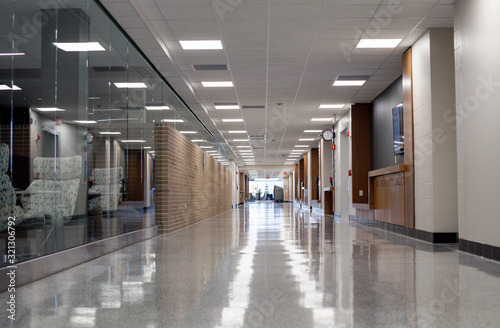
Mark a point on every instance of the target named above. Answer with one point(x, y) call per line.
point(270, 265)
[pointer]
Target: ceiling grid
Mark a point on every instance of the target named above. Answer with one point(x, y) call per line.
point(280, 54)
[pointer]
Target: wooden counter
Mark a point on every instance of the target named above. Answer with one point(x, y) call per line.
point(328, 196)
point(387, 194)
point(388, 170)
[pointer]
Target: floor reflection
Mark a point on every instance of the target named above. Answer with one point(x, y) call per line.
point(45, 238)
point(270, 265)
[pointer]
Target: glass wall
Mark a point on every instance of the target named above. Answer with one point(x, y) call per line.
point(78, 109)
point(263, 189)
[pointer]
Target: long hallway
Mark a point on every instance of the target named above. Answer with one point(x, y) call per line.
point(270, 265)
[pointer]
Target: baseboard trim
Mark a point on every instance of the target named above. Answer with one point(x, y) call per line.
point(484, 250)
point(42, 267)
point(431, 237)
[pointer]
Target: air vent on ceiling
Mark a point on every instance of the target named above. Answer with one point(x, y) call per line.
point(253, 107)
point(257, 137)
point(109, 69)
point(210, 67)
point(353, 77)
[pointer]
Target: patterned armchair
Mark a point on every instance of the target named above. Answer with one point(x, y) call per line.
point(54, 191)
point(107, 183)
point(8, 207)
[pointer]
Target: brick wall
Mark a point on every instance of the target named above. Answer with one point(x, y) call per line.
point(185, 194)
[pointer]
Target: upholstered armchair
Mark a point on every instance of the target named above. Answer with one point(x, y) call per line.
point(107, 183)
point(54, 191)
point(8, 207)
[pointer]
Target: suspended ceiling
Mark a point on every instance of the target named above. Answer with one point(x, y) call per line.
point(282, 56)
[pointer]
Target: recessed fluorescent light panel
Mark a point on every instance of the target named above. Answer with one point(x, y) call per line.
point(378, 43)
point(133, 141)
point(306, 140)
point(131, 85)
point(321, 119)
point(302, 146)
point(84, 122)
point(227, 107)
point(210, 67)
point(206, 147)
point(157, 107)
point(240, 140)
point(6, 87)
point(79, 46)
point(198, 140)
point(217, 84)
point(188, 132)
point(312, 131)
point(146, 147)
point(50, 109)
point(241, 131)
point(229, 120)
point(12, 54)
point(201, 44)
point(109, 133)
point(331, 106)
point(172, 120)
point(348, 83)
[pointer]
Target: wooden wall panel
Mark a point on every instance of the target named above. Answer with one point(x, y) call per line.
point(247, 187)
point(306, 176)
point(296, 180)
point(361, 151)
point(409, 220)
point(314, 172)
point(134, 173)
point(388, 198)
point(301, 178)
point(241, 188)
point(185, 193)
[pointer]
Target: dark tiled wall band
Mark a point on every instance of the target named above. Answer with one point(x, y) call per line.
point(437, 237)
point(487, 251)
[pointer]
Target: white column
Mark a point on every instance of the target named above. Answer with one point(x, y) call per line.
point(477, 67)
point(326, 167)
point(435, 146)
